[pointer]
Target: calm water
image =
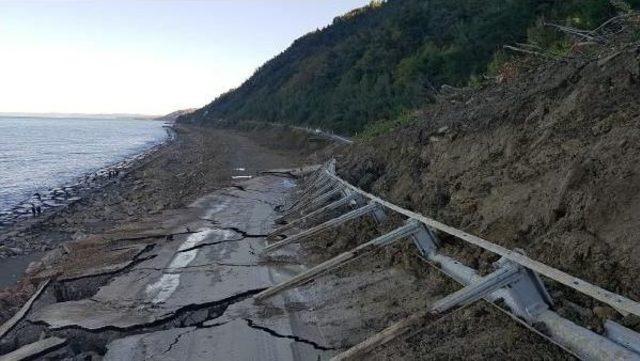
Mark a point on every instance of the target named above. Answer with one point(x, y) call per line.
point(37, 154)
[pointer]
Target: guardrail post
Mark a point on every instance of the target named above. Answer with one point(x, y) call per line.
point(356, 213)
point(410, 228)
point(378, 214)
point(505, 274)
point(523, 293)
point(425, 240)
point(345, 200)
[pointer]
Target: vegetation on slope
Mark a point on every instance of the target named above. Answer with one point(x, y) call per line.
point(376, 62)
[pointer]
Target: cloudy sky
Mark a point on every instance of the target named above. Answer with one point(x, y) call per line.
point(142, 56)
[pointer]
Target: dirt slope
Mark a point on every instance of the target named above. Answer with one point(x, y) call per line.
point(548, 162)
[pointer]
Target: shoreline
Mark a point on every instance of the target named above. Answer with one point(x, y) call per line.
point(58, 197)
point(14, 259)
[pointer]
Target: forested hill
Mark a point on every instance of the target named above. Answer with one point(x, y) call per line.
point(378, 61)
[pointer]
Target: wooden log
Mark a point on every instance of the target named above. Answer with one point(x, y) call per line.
point(7, 326)
point(31, 350)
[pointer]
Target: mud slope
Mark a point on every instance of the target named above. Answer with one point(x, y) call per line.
point(548, 162)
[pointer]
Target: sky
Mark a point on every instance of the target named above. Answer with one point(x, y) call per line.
point(142, 56)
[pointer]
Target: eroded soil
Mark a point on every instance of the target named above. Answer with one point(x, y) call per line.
point(547, 163)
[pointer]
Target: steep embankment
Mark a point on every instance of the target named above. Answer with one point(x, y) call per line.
point(374, 63)
point(547, 162)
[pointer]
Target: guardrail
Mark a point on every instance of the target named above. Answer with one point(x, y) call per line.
point(327, 134)
point(515, 279)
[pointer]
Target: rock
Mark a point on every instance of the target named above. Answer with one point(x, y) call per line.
point(15, 250)
point(10, 251)
point(33, 267)
point(52, 204)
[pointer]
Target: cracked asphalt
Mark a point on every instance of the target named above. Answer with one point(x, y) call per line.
point(189, 296)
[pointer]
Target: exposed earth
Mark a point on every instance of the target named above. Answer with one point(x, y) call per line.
point(546, 162)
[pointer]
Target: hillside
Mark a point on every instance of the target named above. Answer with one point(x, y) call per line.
point(376, 62)
point(546, 162)
point(174, 115)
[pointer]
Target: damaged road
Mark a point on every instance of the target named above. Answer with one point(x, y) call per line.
point(186, 296)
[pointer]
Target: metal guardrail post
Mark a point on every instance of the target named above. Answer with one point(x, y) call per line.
point(346, 199)
point(408, 229)
point(524, 295)
point(359, 212)
point(313, 193)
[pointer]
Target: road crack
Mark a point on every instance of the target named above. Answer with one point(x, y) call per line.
point(244, 234)
point(207, 244)
point(274, 333)
point(206, 265)
point(175, 341)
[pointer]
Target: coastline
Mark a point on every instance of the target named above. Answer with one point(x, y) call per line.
point(64, 194)
point(61, 196)
point(16, 256)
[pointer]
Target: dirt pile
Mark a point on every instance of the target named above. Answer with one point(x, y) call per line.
point(547, 162)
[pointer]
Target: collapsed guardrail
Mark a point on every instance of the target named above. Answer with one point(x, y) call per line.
point(515, 279)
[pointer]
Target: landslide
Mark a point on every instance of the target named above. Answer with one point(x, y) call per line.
point(548, 162)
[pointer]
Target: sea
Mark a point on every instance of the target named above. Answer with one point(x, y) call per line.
point(39, 154)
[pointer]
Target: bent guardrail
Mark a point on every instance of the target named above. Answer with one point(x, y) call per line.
point(515, 279)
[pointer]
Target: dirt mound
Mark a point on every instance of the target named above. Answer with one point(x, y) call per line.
point(547, 162)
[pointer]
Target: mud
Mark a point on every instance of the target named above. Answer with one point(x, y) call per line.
point(546, 162)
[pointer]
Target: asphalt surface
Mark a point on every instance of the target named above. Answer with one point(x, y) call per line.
point(208, 274)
